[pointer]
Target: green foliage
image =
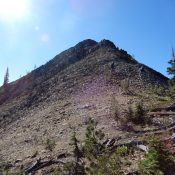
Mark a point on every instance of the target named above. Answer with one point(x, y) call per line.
point(76, 166)
point(171, 69)
point(93, 158)
point(172, 88)
point(50, 144)
point(16, 173)
point(139, 113)
point(6, 171)
point(57, 171)
point(158, 160)
point(156, 96)
point(121, 150)
point(156, 90)
point(108, 162)
point(150, 165)
point(164, 158)
point(130, 113)
point(4, 167)
point(101, 160)
point(73, 168)
point(77, 152)
point(93, 146)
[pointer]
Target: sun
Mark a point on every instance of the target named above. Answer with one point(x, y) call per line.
point(13, 9)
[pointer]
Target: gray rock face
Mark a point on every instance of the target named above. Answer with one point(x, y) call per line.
point(106, 43)
point(85, 45)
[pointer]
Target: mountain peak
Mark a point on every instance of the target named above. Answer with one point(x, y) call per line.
point(107, 43)
point(86, 43)
point(86, 80)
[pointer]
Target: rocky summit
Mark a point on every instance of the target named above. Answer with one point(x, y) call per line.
point(59, 97)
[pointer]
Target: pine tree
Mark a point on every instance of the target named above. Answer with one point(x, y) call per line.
point(93, 147)
point(109, 162)
point(6, 89)
point(76, 166)
point(6, 77)
point(158, 160)
point(171, 69)
point(139, 114)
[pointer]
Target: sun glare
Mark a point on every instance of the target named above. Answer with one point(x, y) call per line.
point(13, 9)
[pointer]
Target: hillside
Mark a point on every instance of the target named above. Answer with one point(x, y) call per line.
point(60, 96)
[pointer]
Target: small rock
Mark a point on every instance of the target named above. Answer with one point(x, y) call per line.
point(17, 161)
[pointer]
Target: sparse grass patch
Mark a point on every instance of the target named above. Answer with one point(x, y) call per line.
point(4, 167)
point(125, 85)
point(115, 110)
point(50, 144)
point(155, 96)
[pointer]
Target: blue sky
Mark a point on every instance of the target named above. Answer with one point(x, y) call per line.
point(33, 31)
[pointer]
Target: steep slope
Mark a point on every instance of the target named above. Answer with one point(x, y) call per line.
point(59, 96)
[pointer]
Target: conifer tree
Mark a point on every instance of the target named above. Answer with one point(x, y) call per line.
point(76, 166)
point(171, 71)
point(6, 77)
point(158, 160)
point(93, 147)
point(6, 86)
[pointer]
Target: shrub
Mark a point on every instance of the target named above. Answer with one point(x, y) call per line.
point(125, 86)
point(150, 165)
point(76, 166)
point(115, 109)
point(107, 164)
point(102, 160)
point(158, 160)
point(139, 114)
point(130, 113)
point(57, 171)
point(92, 144)
point(50, 144)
